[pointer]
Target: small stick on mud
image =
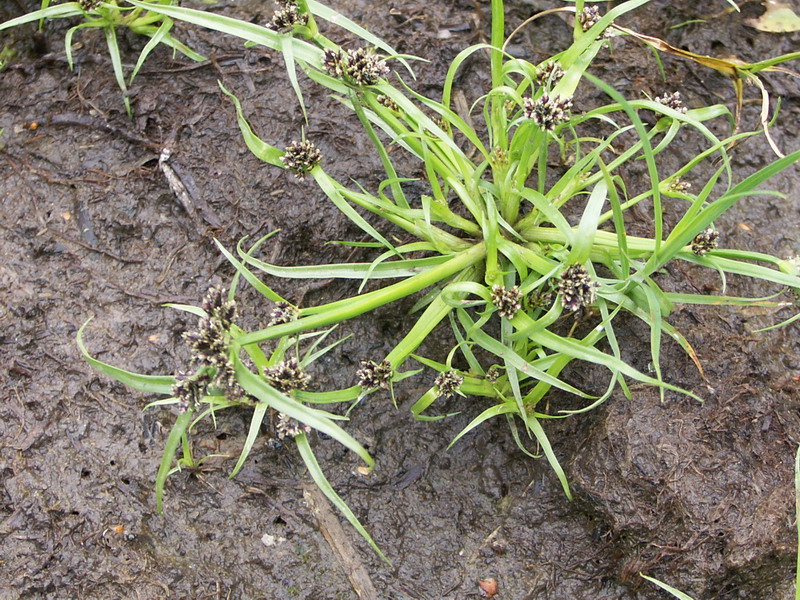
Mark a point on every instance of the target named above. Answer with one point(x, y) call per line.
point(93, 123)
point(337, 539)
point(287, 514)
point(180, 186)
point(175, 183)
point(69, 240)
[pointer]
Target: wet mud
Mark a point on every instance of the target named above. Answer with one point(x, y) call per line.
point(697, 495)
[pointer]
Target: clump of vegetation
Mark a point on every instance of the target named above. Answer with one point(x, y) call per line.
point(525, 286)
point(109, 16)
point(217, 378)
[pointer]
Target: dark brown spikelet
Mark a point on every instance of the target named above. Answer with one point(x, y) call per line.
point(334, 62)
point(706, 240)
point(373, 375)
point(448, 384)
point(209, 343)
point(210, 347)
point(589, 17)
point(364, 68)
point(386, 101)
point(287, 376)
point(548, 112)
point(217, 305)
point(539, 300)
point(89, 5)
point(673, 101)
point(287, 427)
point(576, 288)
point(213, 299)
point(358, 67)
point(284, 19)
point(507, 302)
point(301, 157)
point(189, 388)
point(282, 313)
point(550, 73)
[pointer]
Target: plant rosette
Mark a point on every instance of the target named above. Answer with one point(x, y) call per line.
point(493, 248)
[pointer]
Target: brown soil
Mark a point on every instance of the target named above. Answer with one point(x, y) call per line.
point(698, 495)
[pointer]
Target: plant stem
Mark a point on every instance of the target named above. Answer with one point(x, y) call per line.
point(433, 315)
point(499, 133)
point(335, 312)
point(606, 240)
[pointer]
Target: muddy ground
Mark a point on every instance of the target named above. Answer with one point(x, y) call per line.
point(698, 495)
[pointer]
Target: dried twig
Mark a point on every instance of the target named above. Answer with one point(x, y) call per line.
point(334, 534)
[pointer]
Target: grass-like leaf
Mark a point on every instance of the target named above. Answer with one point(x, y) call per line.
point(677, 593)
point(145, 383)
point(252, 433)
point(245, 30)
point(314, 418)
point(174, 439)
point(325, 487)
point(797, 520)
point(68, 9)
point(262, 150)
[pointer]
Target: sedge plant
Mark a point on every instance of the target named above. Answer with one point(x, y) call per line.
point(108, 17)
point(270, 384)
point(514, 255)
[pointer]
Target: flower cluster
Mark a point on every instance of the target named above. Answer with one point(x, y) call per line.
point(507, 302)
point(576, 288)
point(334, 62)
point(364, 68)
point(448, 383)
point(550, 73)
point(498, 157)
point(218, 307)
point(287, 376)
point(539, 299)
point(373, 375)
point(359, 67)
point(388, 102)
point(210, 347)
point(189, 388)
point(589, 18)
point(493, 374)
point(679, 187)
point(548, 112)
point(673, 101)
point(209, 344)
point(282, 313)
point(442, 124)
point(704, 241)
point(301, 157)
point(287, 16)
point(88, 5)
point(287, 427)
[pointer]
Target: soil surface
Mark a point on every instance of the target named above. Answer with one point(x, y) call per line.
point(697, 495)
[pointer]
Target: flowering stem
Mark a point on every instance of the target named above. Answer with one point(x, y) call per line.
point(499, 131)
